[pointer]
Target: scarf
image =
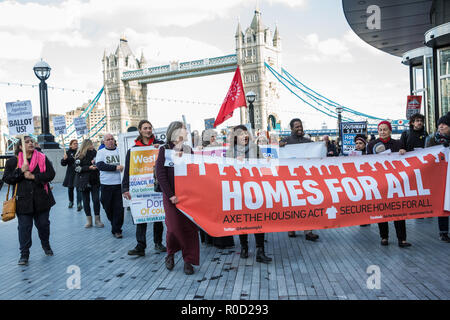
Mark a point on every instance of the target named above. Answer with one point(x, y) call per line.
point(139, 143)
point(385, 141)
point(37, 159)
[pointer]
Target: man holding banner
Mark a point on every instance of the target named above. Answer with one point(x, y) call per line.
point(145, 139)
point(298, 136)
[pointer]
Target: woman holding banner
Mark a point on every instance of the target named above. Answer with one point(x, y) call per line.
point(182, 233)
point(145, 138)
point(243, 148)
point(88, 181)
point(34, 196)
point(69, 179)
point(384, 143)
point(360, 149)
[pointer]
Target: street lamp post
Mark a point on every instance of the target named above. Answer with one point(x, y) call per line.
point(46, 139)
point(339, 112)
point(251, 97)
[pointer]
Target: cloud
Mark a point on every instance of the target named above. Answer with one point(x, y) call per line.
point(326, 50)
point(20, 47)
point(290, 3)
point(167, 48)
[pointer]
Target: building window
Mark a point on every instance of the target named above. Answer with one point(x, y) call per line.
point(444, 80)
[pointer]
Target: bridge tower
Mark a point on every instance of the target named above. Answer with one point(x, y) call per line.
point(254, 47)
point(125, 101)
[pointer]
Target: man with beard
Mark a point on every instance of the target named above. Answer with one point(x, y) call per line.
point(416, 135)
point(298, 136)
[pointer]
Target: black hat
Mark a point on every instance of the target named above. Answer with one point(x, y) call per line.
point(444, 119)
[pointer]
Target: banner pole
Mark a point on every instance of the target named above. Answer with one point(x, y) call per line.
point(64, 145)
point(24, 152)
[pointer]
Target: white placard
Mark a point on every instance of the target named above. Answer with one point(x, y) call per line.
point(80, 126)
point(303, 150)
point(20, 117)
point(59, 124)
point(126, 140)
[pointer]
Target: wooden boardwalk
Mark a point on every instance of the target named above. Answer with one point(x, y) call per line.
point(333, 268)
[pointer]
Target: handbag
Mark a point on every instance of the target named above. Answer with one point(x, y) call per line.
point(9, 206)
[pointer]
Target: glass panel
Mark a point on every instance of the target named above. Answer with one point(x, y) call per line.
point(429, 95)
point(418, 79)
point(444, 78)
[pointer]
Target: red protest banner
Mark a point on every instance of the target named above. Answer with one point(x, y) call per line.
point(413, 105)
point(236, 197)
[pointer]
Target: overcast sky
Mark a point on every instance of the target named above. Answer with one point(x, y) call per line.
point(319, 48)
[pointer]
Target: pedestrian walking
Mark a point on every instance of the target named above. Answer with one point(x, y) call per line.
point(384, 143)
point(88, 181)
point(441, 137)
point(298, 136)
point(34, 196)
point(145, 138)
point(69, 179)
point(108, 163)
point(182, 234)
point(242, 147)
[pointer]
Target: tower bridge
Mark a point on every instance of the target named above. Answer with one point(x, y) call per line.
point(126, 77)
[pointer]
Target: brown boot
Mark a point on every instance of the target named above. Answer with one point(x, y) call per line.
point(89, 222)
point(98, 223)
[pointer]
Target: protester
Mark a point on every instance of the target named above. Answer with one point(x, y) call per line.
point(385, 143)
point(298, 136)
point(146, 138)
point(243, 148)
point(88, 181)
point(102, 144)
point(209, 138)
point(108, 162)
point(441, 137)
point(182, 233)
point(361, 143)
point(360, 146)
point(331, 148)
point(416, 135)
point(69, 180)
point(34, 196)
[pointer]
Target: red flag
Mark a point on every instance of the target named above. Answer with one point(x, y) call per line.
point(235, 98)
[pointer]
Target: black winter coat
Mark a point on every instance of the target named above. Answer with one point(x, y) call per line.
point(413, 139)
point(31, 197)
point(87, 177)
point(69, 179)
point(392, 144)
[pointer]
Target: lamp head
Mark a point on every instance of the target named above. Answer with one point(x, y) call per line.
point(42, 70)
point(251, 97)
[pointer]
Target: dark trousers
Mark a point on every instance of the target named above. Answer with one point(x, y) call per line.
point(141, 231)
point(79, 196)
point(42, 223)
point(111, 199)
point(443, 224)
point(400, 229)
point(259, 239)
point(93, 191)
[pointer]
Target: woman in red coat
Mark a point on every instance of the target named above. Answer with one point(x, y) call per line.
point(182, 233)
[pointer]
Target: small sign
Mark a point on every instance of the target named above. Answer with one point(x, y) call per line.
point(349, 131)
point(80, 126)
point(413, 105)
point(20, 117)
point(59, 124)
point(209, 123)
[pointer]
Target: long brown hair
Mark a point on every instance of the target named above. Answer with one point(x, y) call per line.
point(81, 153)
